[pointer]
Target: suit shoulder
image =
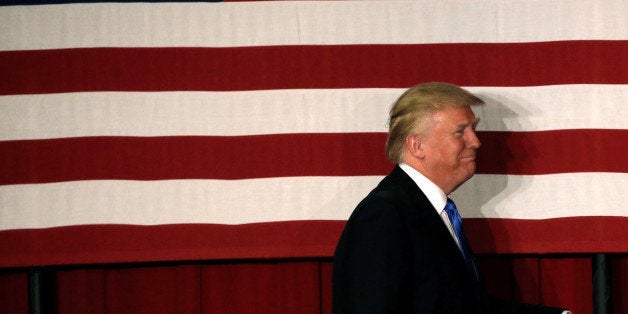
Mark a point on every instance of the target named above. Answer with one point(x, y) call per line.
point(381, 202)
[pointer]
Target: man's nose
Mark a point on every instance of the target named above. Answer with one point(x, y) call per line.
point(473, 141)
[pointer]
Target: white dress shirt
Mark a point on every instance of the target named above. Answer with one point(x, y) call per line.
point(434, 194)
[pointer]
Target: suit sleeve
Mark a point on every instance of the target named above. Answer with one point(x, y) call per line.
point(500, 306)
point(371, 263)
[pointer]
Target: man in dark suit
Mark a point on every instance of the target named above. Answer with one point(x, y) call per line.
point(402, 250)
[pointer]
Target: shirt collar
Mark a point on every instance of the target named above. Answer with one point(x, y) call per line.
point(434, 194)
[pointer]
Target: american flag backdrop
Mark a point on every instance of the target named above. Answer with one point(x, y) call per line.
point(155, 131)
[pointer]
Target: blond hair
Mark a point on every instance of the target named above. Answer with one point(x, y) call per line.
point(411, 110)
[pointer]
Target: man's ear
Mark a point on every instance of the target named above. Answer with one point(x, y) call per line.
point(414, 145)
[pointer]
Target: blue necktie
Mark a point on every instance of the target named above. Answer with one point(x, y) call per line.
point(456, 222)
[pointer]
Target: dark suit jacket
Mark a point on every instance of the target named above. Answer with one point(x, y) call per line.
point(395, 255)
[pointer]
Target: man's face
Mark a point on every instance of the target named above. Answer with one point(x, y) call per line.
point(449, 147)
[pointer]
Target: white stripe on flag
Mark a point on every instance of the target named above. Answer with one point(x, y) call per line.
point(308, 23)
point(543, 196)
point(293, 111)
point(292, 198)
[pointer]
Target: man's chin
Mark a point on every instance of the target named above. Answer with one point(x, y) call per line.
point(470, 171)
point(469, 163)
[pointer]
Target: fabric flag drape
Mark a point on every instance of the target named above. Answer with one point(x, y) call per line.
point(156, 131)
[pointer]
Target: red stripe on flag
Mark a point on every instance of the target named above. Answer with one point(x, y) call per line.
point(282, 155)
point(557, 151)
point(285, 67)
point(155, 158)
point(558, 235)
point(133, 243)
